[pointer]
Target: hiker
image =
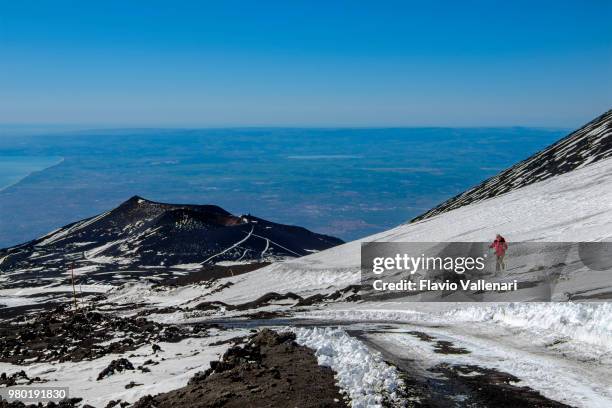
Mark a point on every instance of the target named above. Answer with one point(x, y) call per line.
point(500, 246)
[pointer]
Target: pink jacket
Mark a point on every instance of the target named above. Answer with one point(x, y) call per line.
point(500, 247)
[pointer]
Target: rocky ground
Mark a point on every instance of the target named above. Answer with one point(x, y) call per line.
point(271, 370)
point(264, 369)
point(63, 334)
point(69, 403)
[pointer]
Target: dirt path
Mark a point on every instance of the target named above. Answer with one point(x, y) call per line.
point(445, 385)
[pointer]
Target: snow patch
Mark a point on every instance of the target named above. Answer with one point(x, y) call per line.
point(360, 373)
point(190, 266)
point(587, 323)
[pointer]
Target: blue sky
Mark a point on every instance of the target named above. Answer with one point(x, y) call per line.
point(310, 63)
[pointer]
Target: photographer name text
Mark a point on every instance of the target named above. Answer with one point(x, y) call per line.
point(429, 285)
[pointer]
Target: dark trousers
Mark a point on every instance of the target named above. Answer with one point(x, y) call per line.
point(500, 264)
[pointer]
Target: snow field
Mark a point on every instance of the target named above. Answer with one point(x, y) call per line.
point(583, 325)
point(181, 361)
point(589, 323)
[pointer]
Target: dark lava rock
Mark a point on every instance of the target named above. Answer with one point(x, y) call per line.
point(64, 335)
point(121, 364)
point(66, 403)
point(132, 384)
point(270, 370)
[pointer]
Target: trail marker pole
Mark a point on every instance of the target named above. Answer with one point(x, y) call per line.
point(73, 287)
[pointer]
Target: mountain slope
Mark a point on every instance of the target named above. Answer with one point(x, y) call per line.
point(572, 207)
point(589, 144)
point(142, 236)
point(563, 193)
point(562, 350)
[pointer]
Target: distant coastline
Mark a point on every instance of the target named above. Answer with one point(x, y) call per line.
point(28, 172)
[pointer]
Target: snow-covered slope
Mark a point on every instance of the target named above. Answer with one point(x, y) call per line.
point(589, 144)
point(561, 350)
point(576, 206)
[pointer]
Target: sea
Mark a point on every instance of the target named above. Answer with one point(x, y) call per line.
point(348, 183)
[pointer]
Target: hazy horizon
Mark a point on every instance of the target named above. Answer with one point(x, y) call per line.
point(76, 126)
point(68, 127)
